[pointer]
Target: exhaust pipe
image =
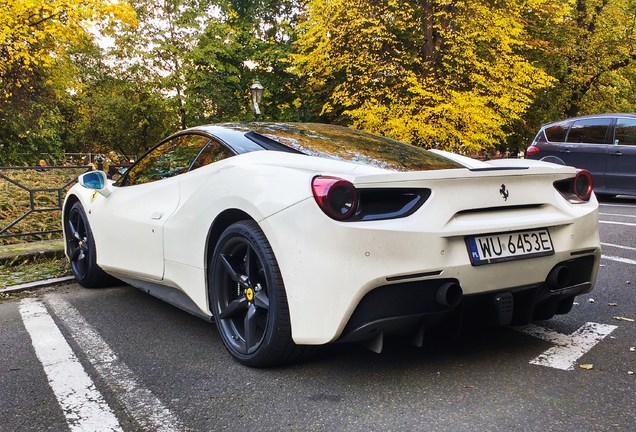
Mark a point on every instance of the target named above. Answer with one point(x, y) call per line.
point(559, 277)
point(449, 294)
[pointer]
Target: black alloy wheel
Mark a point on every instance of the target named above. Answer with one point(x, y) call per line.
point(80, 248)
point(248, 298)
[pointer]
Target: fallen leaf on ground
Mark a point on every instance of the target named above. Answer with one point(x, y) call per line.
point(591, 300)
point(612, 304)
point(632, 349)
point(624, 319)
point(587, 366)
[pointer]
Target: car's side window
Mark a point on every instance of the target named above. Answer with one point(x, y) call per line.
point(591, 131)
point(168, 159)
point(213, 152)
point(557, 132)
point(625, 133)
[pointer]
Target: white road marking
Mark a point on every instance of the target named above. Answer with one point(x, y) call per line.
point(619, 259)
point(569, 348)
point(619, 246)
point(617, 223)
point(83, 405)
point(147, 410)
point(618, 214)
point(616, 205)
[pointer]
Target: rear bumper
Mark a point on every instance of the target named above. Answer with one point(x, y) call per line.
point(341, 277)
point(384, 311)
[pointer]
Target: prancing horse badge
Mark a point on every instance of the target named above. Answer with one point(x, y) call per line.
point(504, 192)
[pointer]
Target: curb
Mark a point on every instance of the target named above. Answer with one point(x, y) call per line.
point(37, 284)
point(31, 250)
point(7, 259)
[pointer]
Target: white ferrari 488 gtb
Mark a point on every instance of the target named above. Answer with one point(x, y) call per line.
point(289, 235)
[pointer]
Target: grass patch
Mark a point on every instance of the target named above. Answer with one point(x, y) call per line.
point(32, 270)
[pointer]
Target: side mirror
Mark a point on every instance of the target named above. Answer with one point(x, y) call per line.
point(95, 180)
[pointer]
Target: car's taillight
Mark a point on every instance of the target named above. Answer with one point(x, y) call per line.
point(583, 185)
point(336, 197)
point(532, 150)
point(577, 189)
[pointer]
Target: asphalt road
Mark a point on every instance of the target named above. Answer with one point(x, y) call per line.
point(146, 365)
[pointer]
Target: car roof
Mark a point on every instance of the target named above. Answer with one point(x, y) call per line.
point(590, 116)
point(232, 134)
point(327, 141)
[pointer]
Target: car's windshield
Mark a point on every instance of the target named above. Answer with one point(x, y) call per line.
point(351, 145)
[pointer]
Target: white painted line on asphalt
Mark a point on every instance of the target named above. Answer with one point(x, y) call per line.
point(619, 246)
point(619, 259)
point(569, 348)
point(84, 407)
point(147, 410)
point(616, 205)
point(617, 214)
point(617, 223)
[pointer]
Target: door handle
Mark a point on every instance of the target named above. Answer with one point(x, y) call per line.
point(565, 151)
point(156, 215)
point(618, 153)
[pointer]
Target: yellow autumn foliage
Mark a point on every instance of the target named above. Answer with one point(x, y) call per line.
point(37, 34)
point(446, 73)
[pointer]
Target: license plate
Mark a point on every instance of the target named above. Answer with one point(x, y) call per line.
point(494, 248)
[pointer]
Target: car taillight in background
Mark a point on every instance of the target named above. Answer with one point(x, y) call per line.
point(532, 150)
point(577, 189)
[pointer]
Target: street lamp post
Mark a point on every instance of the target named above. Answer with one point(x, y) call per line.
point(256, 91)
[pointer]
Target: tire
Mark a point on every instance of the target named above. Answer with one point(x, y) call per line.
point(248, 298)
point(80, 247)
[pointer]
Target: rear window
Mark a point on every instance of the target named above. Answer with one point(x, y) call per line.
point(592, 131)
point(557, 133)
point(351, 145)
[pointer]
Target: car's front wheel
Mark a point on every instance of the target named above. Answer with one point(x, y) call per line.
point(80, 247)
point(248, 298)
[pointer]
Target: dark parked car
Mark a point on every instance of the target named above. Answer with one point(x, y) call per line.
point(603, 144)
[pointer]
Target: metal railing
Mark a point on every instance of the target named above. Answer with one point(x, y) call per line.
point(59, 191)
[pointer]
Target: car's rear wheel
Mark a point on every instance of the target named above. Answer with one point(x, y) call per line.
point(248, 298)
point(80, 247)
